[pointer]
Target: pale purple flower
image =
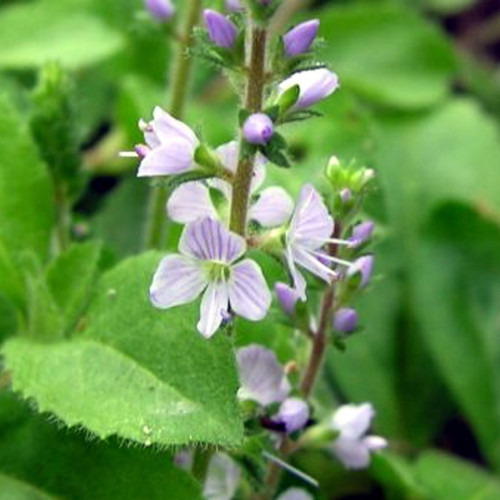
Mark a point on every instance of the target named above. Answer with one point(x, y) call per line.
point(192, 200)
point(262, 378)
point(299, 39)
point(363, 266)
point(171, 146)
point(161, 10)
point(209, 264)
point(314, 85)
point(223, 476)
point(221, 31)
point(361, 233)
point(258, 129)
point(287, 297)
point(233, 5)
point(293, 414)
point(295, 494)
point(345, 320)
point(352, 447)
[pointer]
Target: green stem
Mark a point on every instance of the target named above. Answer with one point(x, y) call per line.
point(201, 461)
point(253, 103)
point(62, 230)
point(181, 71)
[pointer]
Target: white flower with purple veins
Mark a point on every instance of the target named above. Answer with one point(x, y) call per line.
point(192, 200)
point(223, 476)
point(314, 85)
point(209, 264)
point(353, 447)
point(170, 146)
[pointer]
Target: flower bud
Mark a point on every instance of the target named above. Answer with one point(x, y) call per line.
point(233, 5)
point(345, 320)
point(299, 39)
point(314, 85)
point(361, 233)
point(221, 30)
point(363, 266)
point(161, 10)
point(287, 297)
point(345, 195)
point(258, 129)
point(293, 414)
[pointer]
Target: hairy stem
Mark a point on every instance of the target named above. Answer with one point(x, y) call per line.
point(181, 71)
point(253, 103)
point(62, 230)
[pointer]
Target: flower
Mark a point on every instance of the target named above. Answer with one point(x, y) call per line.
point(287, 297)
point(192, 200)
point(293, 414)
point(361, 233)
point(208, 264)
point(220, 30)
point(295, 494)
point(161, 10)
point(223, 476)
point(299, 39)
point(233, 5)
point(258, 129)
point(363, 266)
point(171, 146)
point(262, 378)
point(314, 85)
point(345, 320)
point(352, 447)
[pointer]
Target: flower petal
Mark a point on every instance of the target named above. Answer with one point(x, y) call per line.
point(208, 239)
point(168, 129)
point(353, 421)
point(311, 224)
point(249, 295)
point(312, 263)
point(299, 282)
point(222, 480)
point(175, 157)
point(262, 378)
point(295, 494)
point(178, 280)
point(189, 202)
point(375, 443)
point(353, 453)
point(273, 208)
point(213, 306)
point(293, 414)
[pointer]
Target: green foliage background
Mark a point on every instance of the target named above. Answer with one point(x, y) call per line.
point(112, 384)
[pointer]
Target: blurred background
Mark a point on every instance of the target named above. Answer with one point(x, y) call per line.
point(420, 103)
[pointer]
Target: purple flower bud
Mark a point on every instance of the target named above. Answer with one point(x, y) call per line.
point(345, 195)
point(293, 414)
point(258, 129)
point(221, 30)
point(299, 39)
point(361, 233)
point(364, 266)
point(160, 9)
point(233, 5)
point(314, 85)
point(142, 150)
point(287, 297)
point(345, 320)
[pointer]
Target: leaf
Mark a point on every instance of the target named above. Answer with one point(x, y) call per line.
point(25, 188)
point(449, 478)
point(388, 53)
point(32, 34)
point(12, 489)
point(70, 278)
point(448, 6)
point(36, 456)
point(134, 368)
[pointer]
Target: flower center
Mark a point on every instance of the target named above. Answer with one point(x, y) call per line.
point(217, 272)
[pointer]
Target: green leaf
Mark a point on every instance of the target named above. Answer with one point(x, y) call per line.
point(388, 53)
point(25, 189)
point(70, 279)
point(448, 6)
point(12, 489)
point(36, 456)
point(32, 34)
point(449, 478)
point(135, 371)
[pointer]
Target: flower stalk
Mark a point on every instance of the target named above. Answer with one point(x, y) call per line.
point(253, 103)
point(181, 71)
